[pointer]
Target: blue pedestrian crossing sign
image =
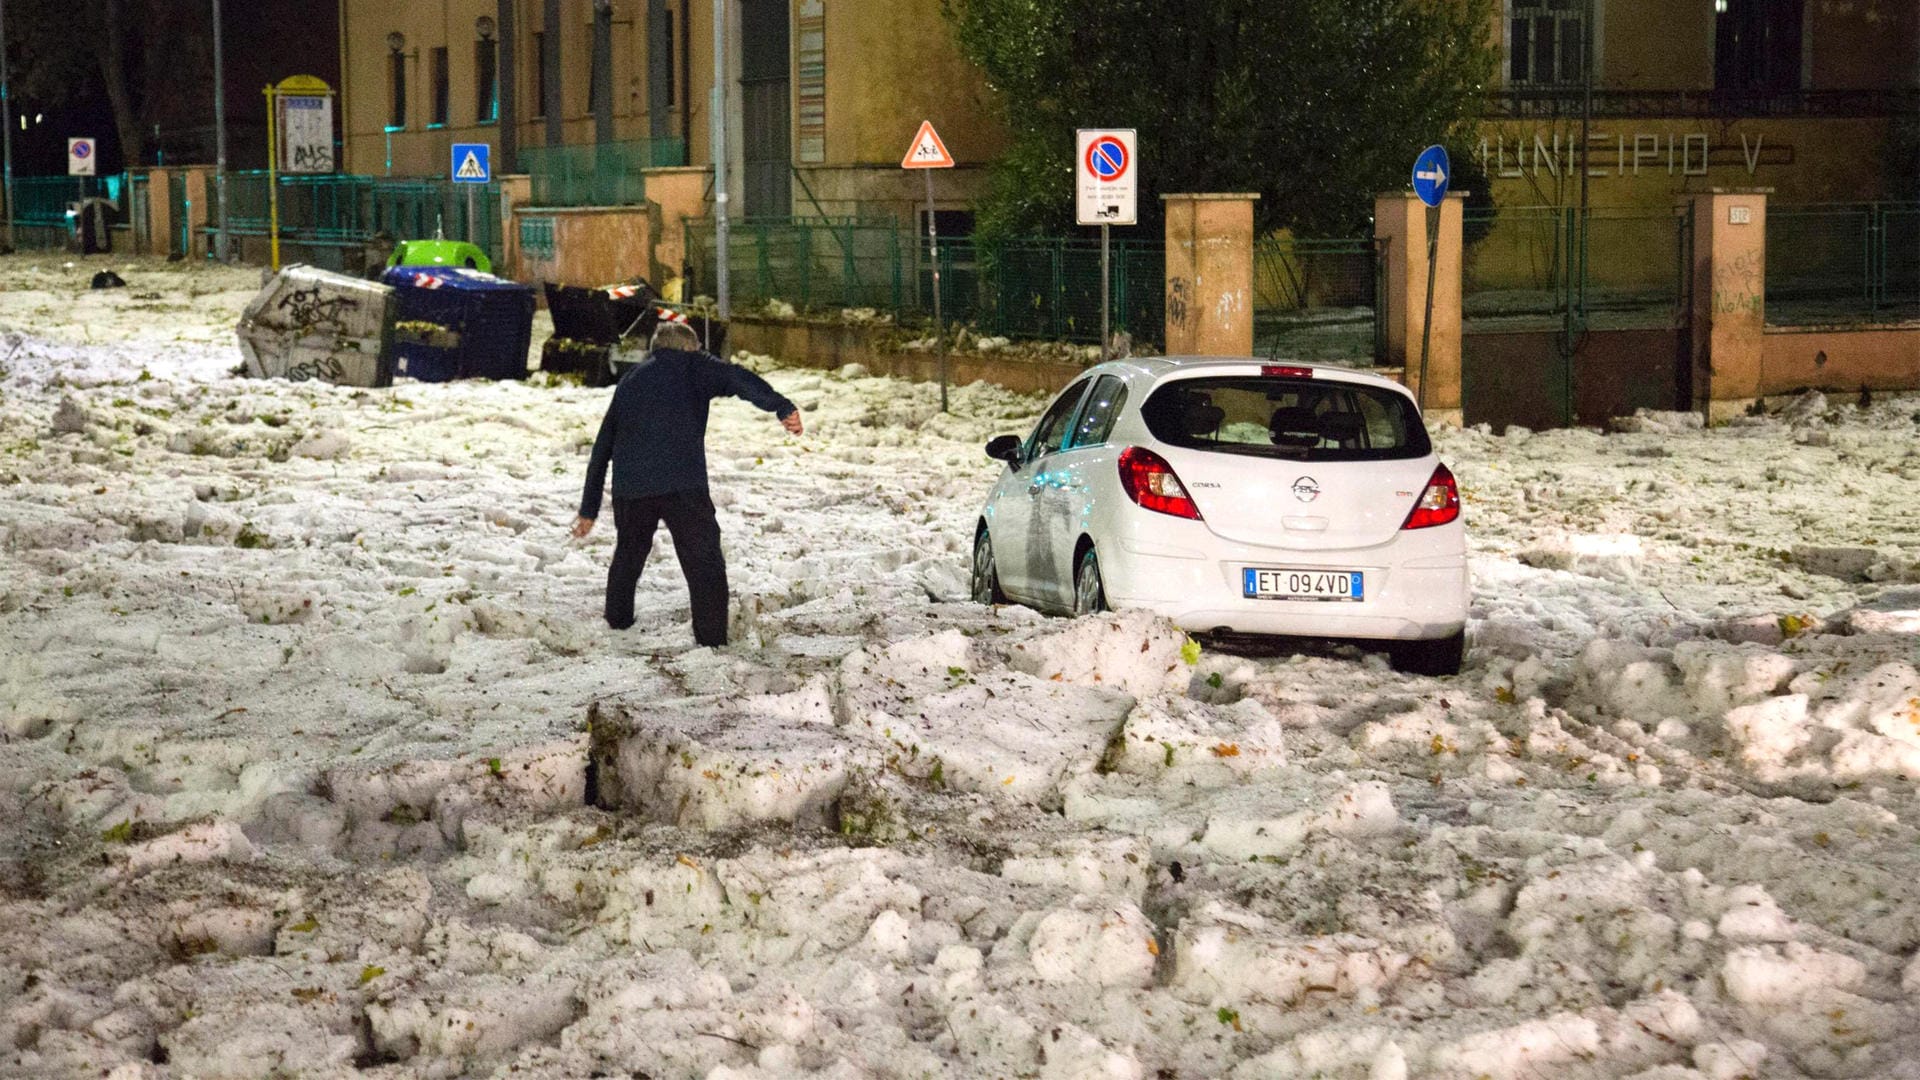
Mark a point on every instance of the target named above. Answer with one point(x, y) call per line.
point(472, 163)
point(1431, 175)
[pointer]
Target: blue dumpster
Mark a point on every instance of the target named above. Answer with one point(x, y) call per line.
point(457, 323)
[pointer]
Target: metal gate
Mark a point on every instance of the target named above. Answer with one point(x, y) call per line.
point(181, 242)
point(1572, 316)
point(1319, 299)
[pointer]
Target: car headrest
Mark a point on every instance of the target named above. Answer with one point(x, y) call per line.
point(1294, 426)
point(1343, 428)
point(1199, 416)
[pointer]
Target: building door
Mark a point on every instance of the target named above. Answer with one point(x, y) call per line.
point(766, 108)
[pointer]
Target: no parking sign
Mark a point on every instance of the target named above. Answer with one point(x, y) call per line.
point(1106, 181)
point(80, 155)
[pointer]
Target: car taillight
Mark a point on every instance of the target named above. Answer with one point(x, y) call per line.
point(1437, 505)
point(1286, 372)
point(1149, 481)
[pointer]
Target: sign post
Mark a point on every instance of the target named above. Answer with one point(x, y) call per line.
point(929, 153)
point(299, 139)
point(80, 157)
point(472, 165)
point(1106, 193)
point(80, 164)
point(1430, 182)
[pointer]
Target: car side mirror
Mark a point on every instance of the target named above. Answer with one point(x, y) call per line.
point(1005, 448)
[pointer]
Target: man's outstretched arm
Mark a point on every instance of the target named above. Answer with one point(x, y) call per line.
point(736, 381)
point(596, 475)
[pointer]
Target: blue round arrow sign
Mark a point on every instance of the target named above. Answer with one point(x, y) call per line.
point(1432, 172)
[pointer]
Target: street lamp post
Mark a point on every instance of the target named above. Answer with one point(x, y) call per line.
point(222, 244)
point(719, 118)
point(6, 122)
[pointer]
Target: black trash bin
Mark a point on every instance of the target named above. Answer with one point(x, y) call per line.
point(456, 323)
point(711, 332)
point(588, 322)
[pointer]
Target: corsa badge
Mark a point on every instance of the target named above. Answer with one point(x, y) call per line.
point(1306, 489)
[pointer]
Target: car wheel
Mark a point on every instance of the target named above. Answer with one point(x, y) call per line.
point(1442, 656)
point(986, 575)
point(1089, 591)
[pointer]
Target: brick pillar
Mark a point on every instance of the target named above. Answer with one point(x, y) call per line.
point(200, 196)
point(160, 223)
point(515, 191)
point(1400, 223)
point(1209, 274)
point(673, 194)
point(1729, 299)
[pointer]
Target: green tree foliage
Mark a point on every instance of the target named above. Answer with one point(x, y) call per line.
point(1315, 104)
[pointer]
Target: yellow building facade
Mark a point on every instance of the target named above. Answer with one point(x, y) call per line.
point(822, 96)
point(1799, 96)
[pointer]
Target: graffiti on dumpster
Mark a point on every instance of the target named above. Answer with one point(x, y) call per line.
point(308, 311)
point(325, 368)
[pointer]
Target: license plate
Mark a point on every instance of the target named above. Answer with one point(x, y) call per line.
point(1263, 583)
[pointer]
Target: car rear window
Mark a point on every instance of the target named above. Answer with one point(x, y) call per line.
point(1292, 418)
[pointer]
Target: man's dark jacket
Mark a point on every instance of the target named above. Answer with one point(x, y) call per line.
point(655, 432)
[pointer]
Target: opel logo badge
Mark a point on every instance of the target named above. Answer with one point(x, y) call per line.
point(1306, 489)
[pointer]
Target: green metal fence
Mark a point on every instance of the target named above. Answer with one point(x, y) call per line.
point(1843, 263)
point(811, 263)
point(1318, 299)
point(344, 210)
point(598, 174)
point(40, 205)
point(1044, 287)
point(1049, 287)
point(1605, 268)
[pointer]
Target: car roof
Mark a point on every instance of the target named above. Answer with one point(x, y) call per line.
point(1160, 366)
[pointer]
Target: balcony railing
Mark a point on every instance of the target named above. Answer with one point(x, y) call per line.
point(1615, 104)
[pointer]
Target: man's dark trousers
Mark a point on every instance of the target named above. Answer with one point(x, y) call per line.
point(696, 539)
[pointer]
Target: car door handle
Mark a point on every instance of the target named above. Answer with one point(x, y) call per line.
point(1305, 524)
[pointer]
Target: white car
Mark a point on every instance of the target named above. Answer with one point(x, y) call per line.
point(1238, 498)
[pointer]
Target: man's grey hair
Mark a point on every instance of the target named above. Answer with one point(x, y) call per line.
point(674, 335)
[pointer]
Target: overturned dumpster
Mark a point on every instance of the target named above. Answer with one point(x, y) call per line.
point(457, 323)
point(309, 323)
point(587, 323)
point(596, 332)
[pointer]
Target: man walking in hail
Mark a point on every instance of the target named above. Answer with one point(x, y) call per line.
point(655, 436)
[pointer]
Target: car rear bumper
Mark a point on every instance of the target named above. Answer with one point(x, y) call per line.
point(1417, 587)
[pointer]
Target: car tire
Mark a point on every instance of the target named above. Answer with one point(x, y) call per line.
point(986, 573)
point(1441, 656)
point(1089, 588)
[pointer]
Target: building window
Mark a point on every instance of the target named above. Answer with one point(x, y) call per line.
point(442, 97)
point(1757, 44)
point(397, 80)
point(539, 74)
point(673, 87)
point(1543, 42)
point(486, 74)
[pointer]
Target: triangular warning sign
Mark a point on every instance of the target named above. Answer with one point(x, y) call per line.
point(470, 169)
point(927, 151)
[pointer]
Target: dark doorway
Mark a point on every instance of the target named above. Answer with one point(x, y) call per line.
point(766, 107)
